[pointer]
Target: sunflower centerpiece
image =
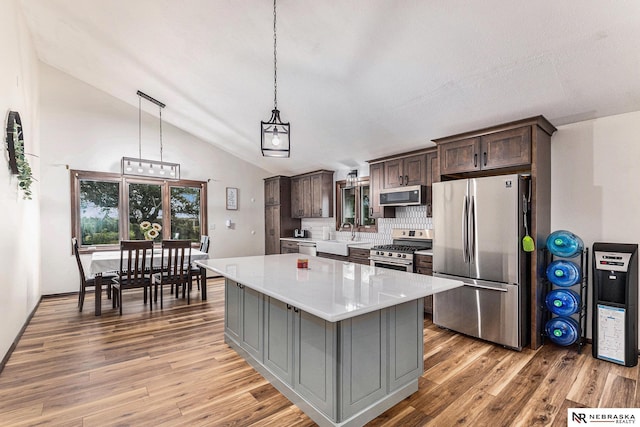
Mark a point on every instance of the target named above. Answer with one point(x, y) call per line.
point(150, 230)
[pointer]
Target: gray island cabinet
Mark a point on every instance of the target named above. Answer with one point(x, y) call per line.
point(342, 341)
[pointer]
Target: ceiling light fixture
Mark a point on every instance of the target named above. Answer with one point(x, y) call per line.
point(149, 168)
point(352, 178)
point(275, 135)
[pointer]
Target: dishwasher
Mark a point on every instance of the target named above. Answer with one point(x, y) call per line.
point(307, 248)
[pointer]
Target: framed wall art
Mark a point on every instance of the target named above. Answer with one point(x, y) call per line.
point(232, 199)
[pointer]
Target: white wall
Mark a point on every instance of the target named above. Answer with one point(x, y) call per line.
point(19, 228)
point(595, 180)
point(87, 129)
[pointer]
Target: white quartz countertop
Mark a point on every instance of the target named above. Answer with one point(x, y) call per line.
point(355, 243)
point(424, 252)
point(332, 290)
point(299, 239)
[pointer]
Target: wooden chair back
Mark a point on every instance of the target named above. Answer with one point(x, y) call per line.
point(136, 261)
point(176, 260)
point(83, 278)
point(204, 244)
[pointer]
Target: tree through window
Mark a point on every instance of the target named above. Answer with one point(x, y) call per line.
point(185, 213)
point(99, 212)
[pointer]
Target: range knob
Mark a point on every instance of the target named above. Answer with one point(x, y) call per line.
point(389, 254)
point(404, 255)
point(399, 255)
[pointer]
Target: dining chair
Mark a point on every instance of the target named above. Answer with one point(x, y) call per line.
point(136, 265)
point(195, 270)
point(175, 271)
point(88, 281)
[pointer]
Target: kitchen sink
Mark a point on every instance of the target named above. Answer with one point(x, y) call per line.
point(336, 247)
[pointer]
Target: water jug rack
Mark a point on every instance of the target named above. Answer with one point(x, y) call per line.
point(580, 288)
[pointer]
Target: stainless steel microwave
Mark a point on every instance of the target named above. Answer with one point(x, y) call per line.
point(411, 195)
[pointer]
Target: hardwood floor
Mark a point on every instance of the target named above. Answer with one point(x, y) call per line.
point(171, 368)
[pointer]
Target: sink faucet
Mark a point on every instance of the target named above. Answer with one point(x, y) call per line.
point(351, 226)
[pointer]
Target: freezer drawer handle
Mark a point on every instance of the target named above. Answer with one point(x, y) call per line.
point(489, 288)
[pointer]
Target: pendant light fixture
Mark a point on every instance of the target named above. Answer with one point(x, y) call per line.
point(352, 178)
point(149, 168)
point(275, 135)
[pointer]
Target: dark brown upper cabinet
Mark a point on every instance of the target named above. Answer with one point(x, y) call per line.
point(312, 195)
point(433, 175)
point(376, 183)
point(403, 171)
point(413, 168)
point(498, 150)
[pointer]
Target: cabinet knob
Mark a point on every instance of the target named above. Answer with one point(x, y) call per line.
point(400, 179)
point(406, 179)
point(485, 158)
point(475, 160)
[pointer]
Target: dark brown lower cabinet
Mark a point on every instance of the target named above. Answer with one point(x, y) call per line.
point(288, 247)
point(332, 256)
point(424, 265)
point(359, 256)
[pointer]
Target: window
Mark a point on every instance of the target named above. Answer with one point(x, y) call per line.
point(185, 213)
point(353, 208)
point(107, 208)
point(145, 212)
point(99, 212)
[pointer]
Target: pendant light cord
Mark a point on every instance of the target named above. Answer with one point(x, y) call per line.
point(275, 60)
point(160, 110)
point(139, 127)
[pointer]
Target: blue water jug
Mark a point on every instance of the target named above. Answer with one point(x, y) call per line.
point(565, 244)
point(563, 302)
point(563, 330)
point(563, 273)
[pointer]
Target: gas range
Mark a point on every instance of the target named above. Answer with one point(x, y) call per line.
point(399, 254)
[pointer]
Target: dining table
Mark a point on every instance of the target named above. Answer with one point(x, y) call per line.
point(109, 261)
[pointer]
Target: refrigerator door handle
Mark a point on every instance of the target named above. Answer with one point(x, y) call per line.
point(472, 229)
point(465, 225)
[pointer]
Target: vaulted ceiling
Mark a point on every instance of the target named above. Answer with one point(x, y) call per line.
point(357, 79)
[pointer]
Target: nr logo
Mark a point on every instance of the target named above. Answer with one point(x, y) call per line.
point(577, 417)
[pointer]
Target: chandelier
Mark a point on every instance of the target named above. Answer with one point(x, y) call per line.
point(275, 135)
point(145, 167)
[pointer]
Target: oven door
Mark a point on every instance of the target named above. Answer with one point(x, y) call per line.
point(392, 264)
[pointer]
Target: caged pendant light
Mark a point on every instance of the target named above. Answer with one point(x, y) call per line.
point(352, 178)
point(275, 135)
point(149, 168)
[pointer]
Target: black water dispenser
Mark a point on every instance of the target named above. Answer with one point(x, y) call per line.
point(615, 303)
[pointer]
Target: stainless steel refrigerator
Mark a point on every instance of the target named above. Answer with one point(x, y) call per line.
point(478, 227)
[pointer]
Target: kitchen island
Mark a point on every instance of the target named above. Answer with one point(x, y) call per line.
point(342, 341)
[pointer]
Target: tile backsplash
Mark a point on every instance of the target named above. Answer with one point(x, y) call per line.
point(406, 217)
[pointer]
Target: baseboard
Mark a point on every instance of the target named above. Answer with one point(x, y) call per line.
point(62, 294)
point(6, 357)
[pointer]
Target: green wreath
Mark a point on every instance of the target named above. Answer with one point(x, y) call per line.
point(17, 160)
